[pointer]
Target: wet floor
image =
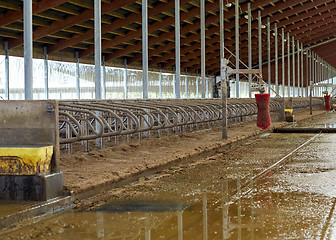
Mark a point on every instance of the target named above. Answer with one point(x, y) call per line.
point(232, 195)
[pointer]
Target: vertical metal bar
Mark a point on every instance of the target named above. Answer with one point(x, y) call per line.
point(302, 90)
point(46, 73)
point(77, 77)
point(222, 70)
point(259, 40)
point(269, 54)
point(298, 68)
point(186, 83)
point(288, 64)
point(276, 58)
point(202, 9)
point(97, 46)
point(197, 86)
point(125, 80)
point(144, 49)
point(98, 59)
point(160, 82)
point(207, 86)
point(104, 78)
point(6, 70)
point(174, 77)
point(293, 41)
point(313, 71)
point(237, 45)
point(221, 31)
point(177, 50)
point(283, 60)
point(28, 48)
point(307, 72)
point(224, 97)
point(249, 45)
point(310, 83)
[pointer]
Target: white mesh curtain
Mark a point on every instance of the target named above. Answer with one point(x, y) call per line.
point(62, 79)
point(115, 83)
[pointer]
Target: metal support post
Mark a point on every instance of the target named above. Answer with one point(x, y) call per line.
point(177, 50)
point(174, 77)
point(104, 78)
point(222, 70)
point(269, 53)
point(312, 79)
point(224, 98)
point(288, 64)
point(6, 70)
point(311, 89)
point(298, 68)
point(249, 46)
point(46, 73)
point(276, 58)
point(293, 49)
point(237, 45)
point(97, 46)
point(259, 40)
point(202, 9)
point(125, 80)
point(98, 59)
point(307, 72)
point(302, 90)
point(197, 86)
point(28, 48)
point(144, 49)
point(77, 77)
point(160, 82)
point(186, 83)
point(315, 71)
point(283, 60)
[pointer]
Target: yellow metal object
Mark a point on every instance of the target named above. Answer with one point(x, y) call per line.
point(288, 112)
point(25, 160)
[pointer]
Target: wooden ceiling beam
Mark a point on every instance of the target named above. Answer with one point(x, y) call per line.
point(164, 36)
point(12, 16)
point(243, 30)
point(152, 28)
point(89, 34)
point(70, 21)
point(243, 37)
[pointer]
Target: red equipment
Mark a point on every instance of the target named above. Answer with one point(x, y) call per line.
point(263, 117)
point(327, 106)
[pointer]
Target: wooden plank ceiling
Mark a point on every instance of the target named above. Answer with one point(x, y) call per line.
point(67, 26)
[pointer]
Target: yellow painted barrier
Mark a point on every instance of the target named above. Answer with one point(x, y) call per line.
point(25, 160)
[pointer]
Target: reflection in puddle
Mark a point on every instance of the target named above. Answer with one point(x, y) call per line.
point(141, 206)
point(253, 212)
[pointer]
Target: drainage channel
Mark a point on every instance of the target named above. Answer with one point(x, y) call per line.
point(305, 130)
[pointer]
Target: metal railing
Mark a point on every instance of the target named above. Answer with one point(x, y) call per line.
point(84, 120)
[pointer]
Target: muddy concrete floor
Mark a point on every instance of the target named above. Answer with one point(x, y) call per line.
point(88, 170)
point(223, 196)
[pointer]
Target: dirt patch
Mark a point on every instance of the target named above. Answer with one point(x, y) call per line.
point(85, 171)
